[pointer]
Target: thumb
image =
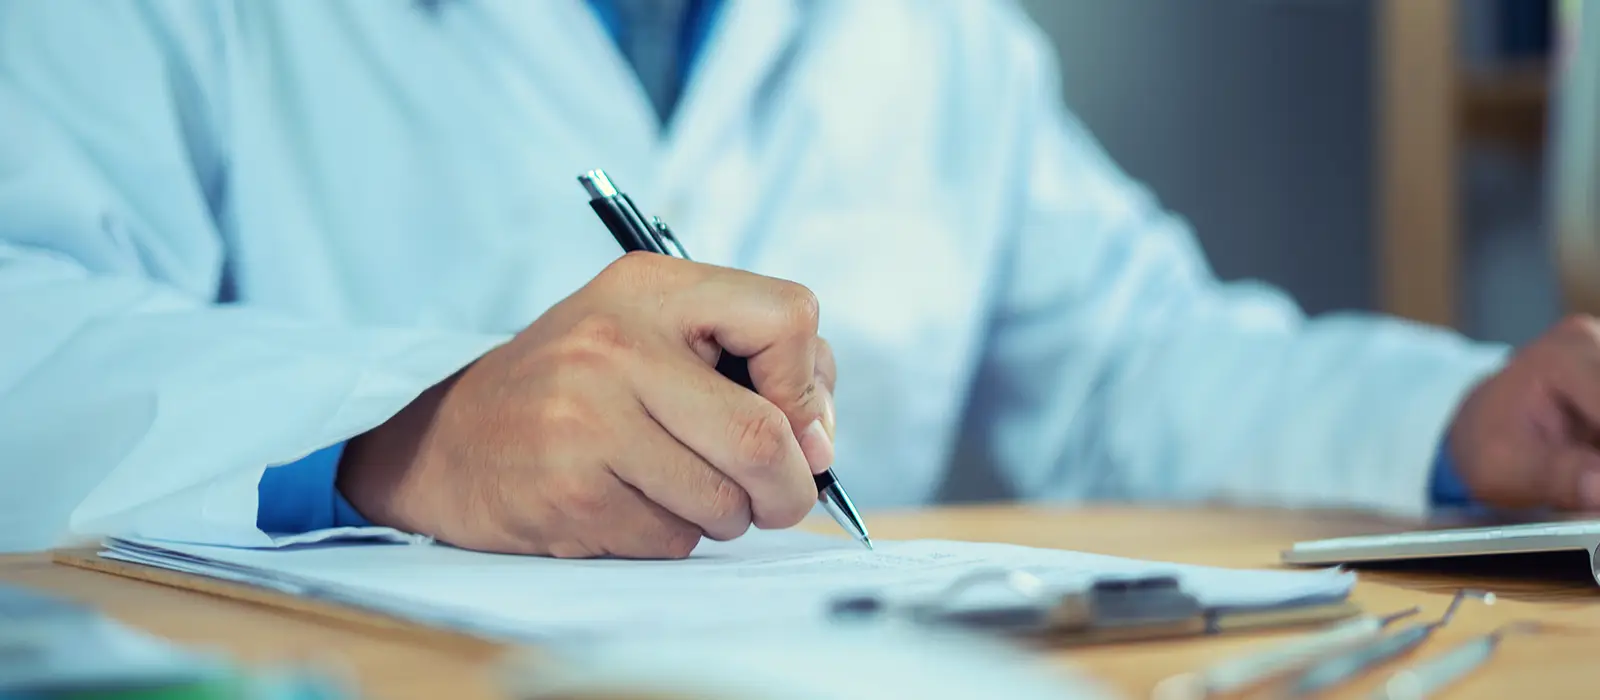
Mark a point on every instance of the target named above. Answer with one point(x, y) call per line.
point(816, 439)
point(817, 436)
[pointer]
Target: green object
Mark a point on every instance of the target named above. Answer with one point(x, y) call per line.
point(54, 649)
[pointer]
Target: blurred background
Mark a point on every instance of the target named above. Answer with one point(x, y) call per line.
point(1364, 154)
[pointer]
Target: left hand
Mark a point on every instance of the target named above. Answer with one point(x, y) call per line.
point(1529, 435)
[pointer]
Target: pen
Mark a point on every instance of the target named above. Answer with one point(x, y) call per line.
point(634, 233)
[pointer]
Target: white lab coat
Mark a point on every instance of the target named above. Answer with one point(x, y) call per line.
point(234, 232)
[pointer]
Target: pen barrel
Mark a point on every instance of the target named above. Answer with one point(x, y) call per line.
point(622, 219)
point(736, 368)
point(824, 481)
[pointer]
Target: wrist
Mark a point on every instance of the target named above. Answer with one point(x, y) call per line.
point(1446, 487)
point(377, 464)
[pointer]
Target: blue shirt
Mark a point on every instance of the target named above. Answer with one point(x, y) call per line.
point(301, 497)
point(1447, 489)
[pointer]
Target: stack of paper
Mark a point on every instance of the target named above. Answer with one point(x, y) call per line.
point(770, 580)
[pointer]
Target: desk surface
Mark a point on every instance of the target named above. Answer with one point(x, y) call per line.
point(391, 664)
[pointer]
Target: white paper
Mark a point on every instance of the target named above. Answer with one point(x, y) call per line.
point(767, 579)
point(840, 663)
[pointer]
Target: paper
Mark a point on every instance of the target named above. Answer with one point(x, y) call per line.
point(772, 579)
point(862, 662)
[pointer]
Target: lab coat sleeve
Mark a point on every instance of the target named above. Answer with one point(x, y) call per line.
point(132, 402)
point(1120, 368)
point(303, 496)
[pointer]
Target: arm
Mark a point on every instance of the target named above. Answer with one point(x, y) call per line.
point(1119, 367)
point(131, 399)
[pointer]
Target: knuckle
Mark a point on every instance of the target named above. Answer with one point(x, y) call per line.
point(786, 514)
point(629, 264)
point(636, 270)
point(562, 417)
point(759, 436)
point(582, 499)
point(679, 542)
point(801, 307)
point(729, 506)
point(598, 337)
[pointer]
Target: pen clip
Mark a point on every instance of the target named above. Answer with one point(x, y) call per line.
point(666, 239)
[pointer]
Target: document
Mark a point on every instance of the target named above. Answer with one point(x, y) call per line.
point(774, 579)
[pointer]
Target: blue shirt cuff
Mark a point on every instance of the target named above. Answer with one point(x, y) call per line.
point(301, 496)
point(1446, 488)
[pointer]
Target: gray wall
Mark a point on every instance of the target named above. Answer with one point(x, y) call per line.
point(1250, 118)
point(1253, 119)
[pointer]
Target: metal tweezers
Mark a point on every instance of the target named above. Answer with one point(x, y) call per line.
point(1346, 665)
point(1433, 675)
point(1254, 668)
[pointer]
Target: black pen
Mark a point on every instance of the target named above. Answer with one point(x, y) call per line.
point(634, 233)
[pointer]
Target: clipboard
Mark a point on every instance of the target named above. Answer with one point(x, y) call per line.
point(1108, 610)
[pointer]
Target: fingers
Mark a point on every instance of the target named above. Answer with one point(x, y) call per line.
point(770, 322)
point(768, 442)
point(608, 517)
point(1574, 479)
point(742, 435)
point(827, 375)
point(826, 371)
point(773, 324)
point(672, 475)
point(1574, 362)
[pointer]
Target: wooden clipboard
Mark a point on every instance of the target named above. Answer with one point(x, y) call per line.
point(89, 558)
point(1202, 623)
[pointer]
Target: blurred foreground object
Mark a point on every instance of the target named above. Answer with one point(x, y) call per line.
point(51, 648)
point(782, 665)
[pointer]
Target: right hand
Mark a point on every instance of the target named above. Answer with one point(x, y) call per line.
point(604, 429)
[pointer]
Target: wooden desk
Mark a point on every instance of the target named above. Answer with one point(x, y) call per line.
point(390, 664)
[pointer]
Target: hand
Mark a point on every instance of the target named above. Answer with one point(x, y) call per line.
point(1527, 436)
point(604, 429)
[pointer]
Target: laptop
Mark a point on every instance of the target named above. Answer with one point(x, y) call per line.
point(1575, 153)
point(1523, 538)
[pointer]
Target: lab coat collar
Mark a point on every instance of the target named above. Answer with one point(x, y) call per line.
point(574, 61)
point(707, 144)
point(609, 114)
point(745, 48)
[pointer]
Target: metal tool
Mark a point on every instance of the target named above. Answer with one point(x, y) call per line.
point(1016, 603)
point(1343, 666)
point(1431, 676)
point(1257, 667)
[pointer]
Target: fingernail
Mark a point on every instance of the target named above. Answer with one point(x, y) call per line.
point(1589, 488)
point(817, 447)
point(827, 414)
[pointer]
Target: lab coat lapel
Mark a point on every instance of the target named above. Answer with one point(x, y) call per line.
point(580, 73)
point(743, 51)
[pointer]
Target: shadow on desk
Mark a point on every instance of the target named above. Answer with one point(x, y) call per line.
point(1541, 576)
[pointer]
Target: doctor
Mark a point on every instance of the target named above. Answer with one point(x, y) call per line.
point(274, 268)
